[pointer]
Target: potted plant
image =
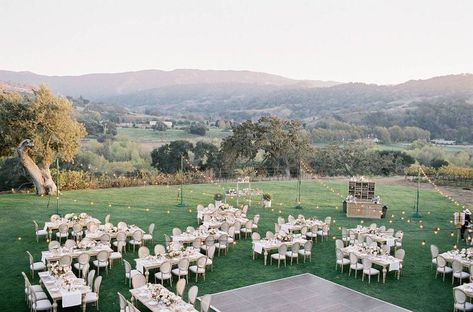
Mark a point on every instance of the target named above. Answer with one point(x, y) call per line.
point(218, 199)
point(266, 200)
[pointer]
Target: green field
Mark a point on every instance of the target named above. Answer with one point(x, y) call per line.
point(417, 289)
point(140, 135)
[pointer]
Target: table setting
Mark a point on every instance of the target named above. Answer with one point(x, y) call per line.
point(158, 298)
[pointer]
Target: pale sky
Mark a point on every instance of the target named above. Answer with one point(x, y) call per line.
point(380, 41)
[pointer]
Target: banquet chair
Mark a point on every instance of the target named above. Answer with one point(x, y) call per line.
point(291, 219)
point(304, 231)
point(269, 235)
point(54, 218)
point(222, 243)
point(339, 244)
point(39, 304)
point(90, 278)
point(93, 296)
point(197, 243)
point(385, 248)
point(210, 257)
point(199, 268)
point(77, 231)
point(92, 226)
point(63, 231)
point(399, 236)
point(312, 234)
point(190, 229)
point(368, 240)
point(84, 271)
point(35, 266)
point(457, 268)
point(237, 227)
point(244, 211)
point(281, 220)
point(167, 239)
point(345, 236)
point(255, 222)
point(200, 208)
point(121, 237)
point(122, 226)
point(306, 251)
point(352, 238)
point(101, 261)
point(328, 221)
point(205, 303)
point(255, 237)
point(180, 287)
point(323, 232)
point(176, 231)
point(143, 252)
point(471, 273)
point(354, 264)
point(294, 252)
point(159, 250)
point(164, 273)
point(277, 227)
point(209, 241)
point(137, 239)
point(231, 235)
point(382, 229)
point(70, 243)
point(115, 255)
point(434, 251)
point(400, 254)
point(107, 219)
point(192, 294)
point(138, 281)
point(105, 238)
point(53, 245)
point(369, 270)
point(37, 289)
point(122, 302)
point(373, 227)
point(129, 272)
point(442, 267)
point(224, 227)
point(65, 261)
point(460, 302)
point(39, 232)
point(280, 255)
point(341, 260)
point(182, 269)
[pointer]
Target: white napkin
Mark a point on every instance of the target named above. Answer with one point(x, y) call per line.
point(285, 227)
point(394, 266)
point(71, 298)
point(390, 241)
point(258, 247)
point(139, 266)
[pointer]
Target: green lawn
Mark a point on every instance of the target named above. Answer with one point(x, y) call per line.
point(140, 135)
point(417, 289)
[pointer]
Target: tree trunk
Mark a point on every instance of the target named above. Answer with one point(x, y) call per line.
point(41, 175)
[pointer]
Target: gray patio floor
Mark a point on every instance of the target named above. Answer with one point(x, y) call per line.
point(301, 293)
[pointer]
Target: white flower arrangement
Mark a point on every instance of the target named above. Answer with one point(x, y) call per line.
point(160, 294)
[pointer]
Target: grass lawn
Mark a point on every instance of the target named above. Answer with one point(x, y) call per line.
point(416, 290)
point(140, 135)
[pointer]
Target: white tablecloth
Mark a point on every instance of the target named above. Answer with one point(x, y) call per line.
point(71, 298)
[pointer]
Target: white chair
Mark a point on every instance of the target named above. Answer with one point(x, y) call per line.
point(138, 280)
point(121, 237)
point(182, 269)
point(143, 252)
point(209, 241)
point(244, 211)
point(281, 221)
point(345, 236)
point(459, 301)
point(294, 252)
point(93, 296)
point(339, 244)
point(129, 272)
point(255, 222)
point(85, 270)
point(176, 231)
point(63, 231)
point(131, 307)
point(39, 304)
point(105, 239)
point(197, 243)
point(323, 232)
point(222, 243)
point(180, 286)
point(224, 227)
point(248, 229)
point(65, 261)
point(304, 231)
point(37, 289)
point(280, 255)
point(122, 301)
point(52, 245)
point(117, 255)
point(39, 232)
point(328, 220)
point(159, 250)
point(369, 270)
point(199, 268)
point(269, 235)
point(237, 227)
point(442, 267)
point(434, 251)
point(341, 260)
point(210, 257)
point(306, 251)
point(192, 294)
point(457, 268)
point(312, 234)
point(205, 303)
point(400, 254)
point(164, 273)
point(107, 219)
point(255, 237)
point(35, 266)
point(167, 239)
point(101, 261)
point(149, 236)
point(354, 264)
point(70, 244)
point(399, 236)
point(90, 278)
point(137, 239)
point(77, 231)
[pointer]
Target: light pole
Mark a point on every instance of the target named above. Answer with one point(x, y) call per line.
point(299, 182)
point(417, 214)
point(181, 202)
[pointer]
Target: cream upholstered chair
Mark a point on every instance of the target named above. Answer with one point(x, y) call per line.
point(269, 235)
point(210, 257)
point(70, 243)
point(237, 227)
point(280, 255)
point(53, 245)
point(37, 289)
point(341, 260)
point(122, 301)
point(369, 270)
point(459, 301)
point(138, 281)
point(200, 208)
point(352, 238)
point(105, 238)
point(368, 240)
point(176, 231)
point(291, 219)
point(281, 220)
point(159, 250)
point(164, 273)
point(122, 226)
point(312, 234)
point(294, 252)
point(255, 237)
point(339, 244)
point(442, 267)
point(373, 227)
point(101, 261)
point(137, 239)
point(143, 252)
point(65, 261)
point(224, 227)
point(345, 236)
point(471, 273)
point(328, 220)
point(93, 296)
point(277, 227)
point(244, 211)
point(167, 239)
point(182, 269)
point(306, 251)
point(209, 241)
point(35, 266)
point(222, 243)
point(63, 231)
point(199, 268)
point(190, 229)
point(92, 226)
point(255, 222)
point(107, 219)
point(434, 251)
point(129, 272)
point(457, 268)
point(131, 307)
point(39, 304)
point(77, 231)
point(390, 232)
point(180, 287)
point(197, 243)
point(90, 278)
point(121, 237)
point(382, 229)
point(192, 294)
point(304, 231)
point(205, 303)
point(399, 236)
point(323, 232)
point(117, 255)
point(39, 232)
point(354, 264)
point(149, 236)
point(85, 270)
point(231, 236)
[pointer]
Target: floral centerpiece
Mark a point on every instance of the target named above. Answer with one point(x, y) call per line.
point(284, 238)
point(466, 253)
point(161, 294)
point(58, 270)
